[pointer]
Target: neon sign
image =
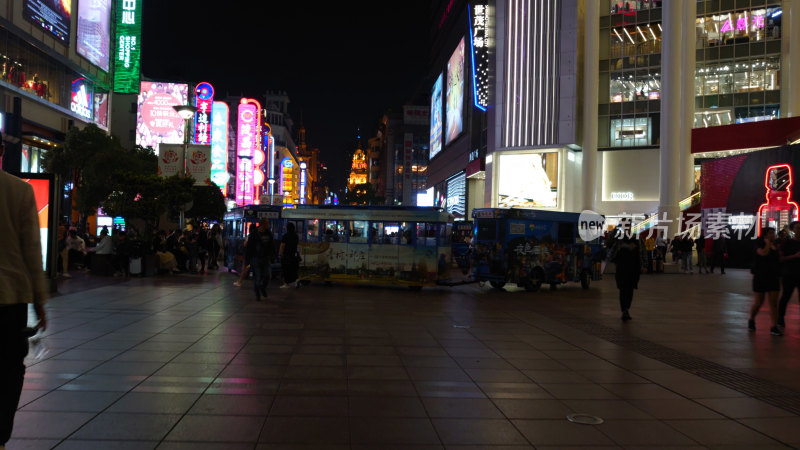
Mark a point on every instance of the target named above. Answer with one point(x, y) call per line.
point(303, 175)
point(82, 97)
point(204, 96)
point(779, 209)
point(219, 145)
point(287, 185)
point(479, 42)
point(245, 141)
point(741, 24)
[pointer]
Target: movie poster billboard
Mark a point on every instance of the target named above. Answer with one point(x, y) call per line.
point(94, 31)
point(528, 180)
point(156, 120)
point(436, 118)
point(52, 16)
point(455, 94)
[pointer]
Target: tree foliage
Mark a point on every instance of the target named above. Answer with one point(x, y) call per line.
point(362, 194)
point(208, 204)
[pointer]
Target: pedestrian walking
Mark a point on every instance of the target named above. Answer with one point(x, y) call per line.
point(766, 280)
point(246, 263)
point(700, 245)
point(719, 251)
point(21, 282)
point(290, 261)
point(261, 246)
point(628, 270)
point(687, 245)
point(790, 270)
point(675, 248)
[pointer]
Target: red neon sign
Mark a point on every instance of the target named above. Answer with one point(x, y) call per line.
point(779, 209)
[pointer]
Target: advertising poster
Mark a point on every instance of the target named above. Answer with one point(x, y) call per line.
point(94, 31)
point(156, 120)
point(198, 164)
point(41, 191)
point(455, 94)
point(101, 108)
point(53, 16)
point(127, 50)
point(436, 118)
point(82, 99)
point(528, 180)
point(170, 160)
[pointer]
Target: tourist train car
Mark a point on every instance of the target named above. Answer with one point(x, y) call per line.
point(530, 247)
point(236, 225)
point(394, 245)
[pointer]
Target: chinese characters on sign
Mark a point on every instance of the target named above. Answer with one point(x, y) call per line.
point(127, 51)
point(245, 141)
point(219, 145)
point(757, 22)
point(480, 55)
point(204, 95)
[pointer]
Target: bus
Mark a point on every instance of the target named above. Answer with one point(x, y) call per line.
point(236, 224)
point(387, 245)
point(530, 247)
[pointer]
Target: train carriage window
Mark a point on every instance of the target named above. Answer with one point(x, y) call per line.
point(406, 234)
point(445, 234)
point(391, 233)
point(487, 230)
point(334, 231)
point(312, 230)
point(376, 233)
point(358, 231)
point(426, 234)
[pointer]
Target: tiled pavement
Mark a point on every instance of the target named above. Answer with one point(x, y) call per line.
point(191, 362)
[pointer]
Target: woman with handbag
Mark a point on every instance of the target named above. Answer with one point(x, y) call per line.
point(290, 260)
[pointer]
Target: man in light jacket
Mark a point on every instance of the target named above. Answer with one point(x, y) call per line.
point(21, 282)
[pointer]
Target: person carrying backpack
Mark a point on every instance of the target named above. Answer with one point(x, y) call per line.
point(261, 248)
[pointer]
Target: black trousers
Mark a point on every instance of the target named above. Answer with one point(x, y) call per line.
point(718, 259)
point(13, 348)
point(625, 298)
point(789, 283)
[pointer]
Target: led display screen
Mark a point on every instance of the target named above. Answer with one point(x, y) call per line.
point(94, 31)
point(219, 145)
point(528, 180)
point(436, 118)
point(53, 16)
point(101, 108)
point(455, 94)
point(41, 192)
point(127, 48)
point(82, 99)
point(156, 120)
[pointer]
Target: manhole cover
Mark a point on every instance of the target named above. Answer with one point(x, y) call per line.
point(585, 419)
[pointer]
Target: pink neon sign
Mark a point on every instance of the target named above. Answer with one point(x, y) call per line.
point(741, 24)
point(204, 96)
point(245, 145)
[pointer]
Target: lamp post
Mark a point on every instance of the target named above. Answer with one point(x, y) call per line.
point(271, 182)
point(187, 113)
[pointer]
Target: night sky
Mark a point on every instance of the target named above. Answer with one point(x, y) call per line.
point(343, 64)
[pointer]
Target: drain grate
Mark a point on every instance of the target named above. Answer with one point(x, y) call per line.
point(766, 391)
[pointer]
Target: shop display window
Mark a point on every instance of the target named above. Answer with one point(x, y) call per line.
point(31, 159)
point(632, 132)
point(635, 40)
point(748, 76)
point(738, 27)
point(627, 87)
point(630, 6)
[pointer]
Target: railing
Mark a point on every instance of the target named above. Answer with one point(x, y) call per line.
point(683, 205)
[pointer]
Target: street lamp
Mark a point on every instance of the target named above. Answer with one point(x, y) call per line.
point(187, 113)
point(271, 189)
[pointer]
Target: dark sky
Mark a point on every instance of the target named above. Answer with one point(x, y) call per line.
point(342, 63)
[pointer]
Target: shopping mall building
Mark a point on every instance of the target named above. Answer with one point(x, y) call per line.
point(615, 106)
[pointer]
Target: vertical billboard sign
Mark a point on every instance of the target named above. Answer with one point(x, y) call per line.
point(94, 31)
point(271, 162)
point(157, 121)
point(245, 142)
point(41, 192)
point(219, 146)
point(198, 164)
point(127, 48)
point(204, 97)
point(52, 16)
point(455, 94)
point(101, 108)
point(82, 98)
point(480, 56)
point(436, 118)
point(408, 151)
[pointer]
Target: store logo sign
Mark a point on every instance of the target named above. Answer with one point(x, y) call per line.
point(622, 196)
point(591, 225)
point(81, 99)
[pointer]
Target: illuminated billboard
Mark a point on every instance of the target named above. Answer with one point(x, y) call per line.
point(101, 108)
point(156, 120)
point(41, 192)
point(82, 98)
point(94, 31)
point(245, 148)
point(455, 94)
point(204, 98)
point(219, 146)
point(127, 46)
point(528, 180)
point(52, 16)
point(436, 118)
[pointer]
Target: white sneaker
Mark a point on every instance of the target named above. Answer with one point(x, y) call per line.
point(237, 283)
point(284, 286)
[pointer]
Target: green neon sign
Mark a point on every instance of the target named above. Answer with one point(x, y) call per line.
point(127, 46)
